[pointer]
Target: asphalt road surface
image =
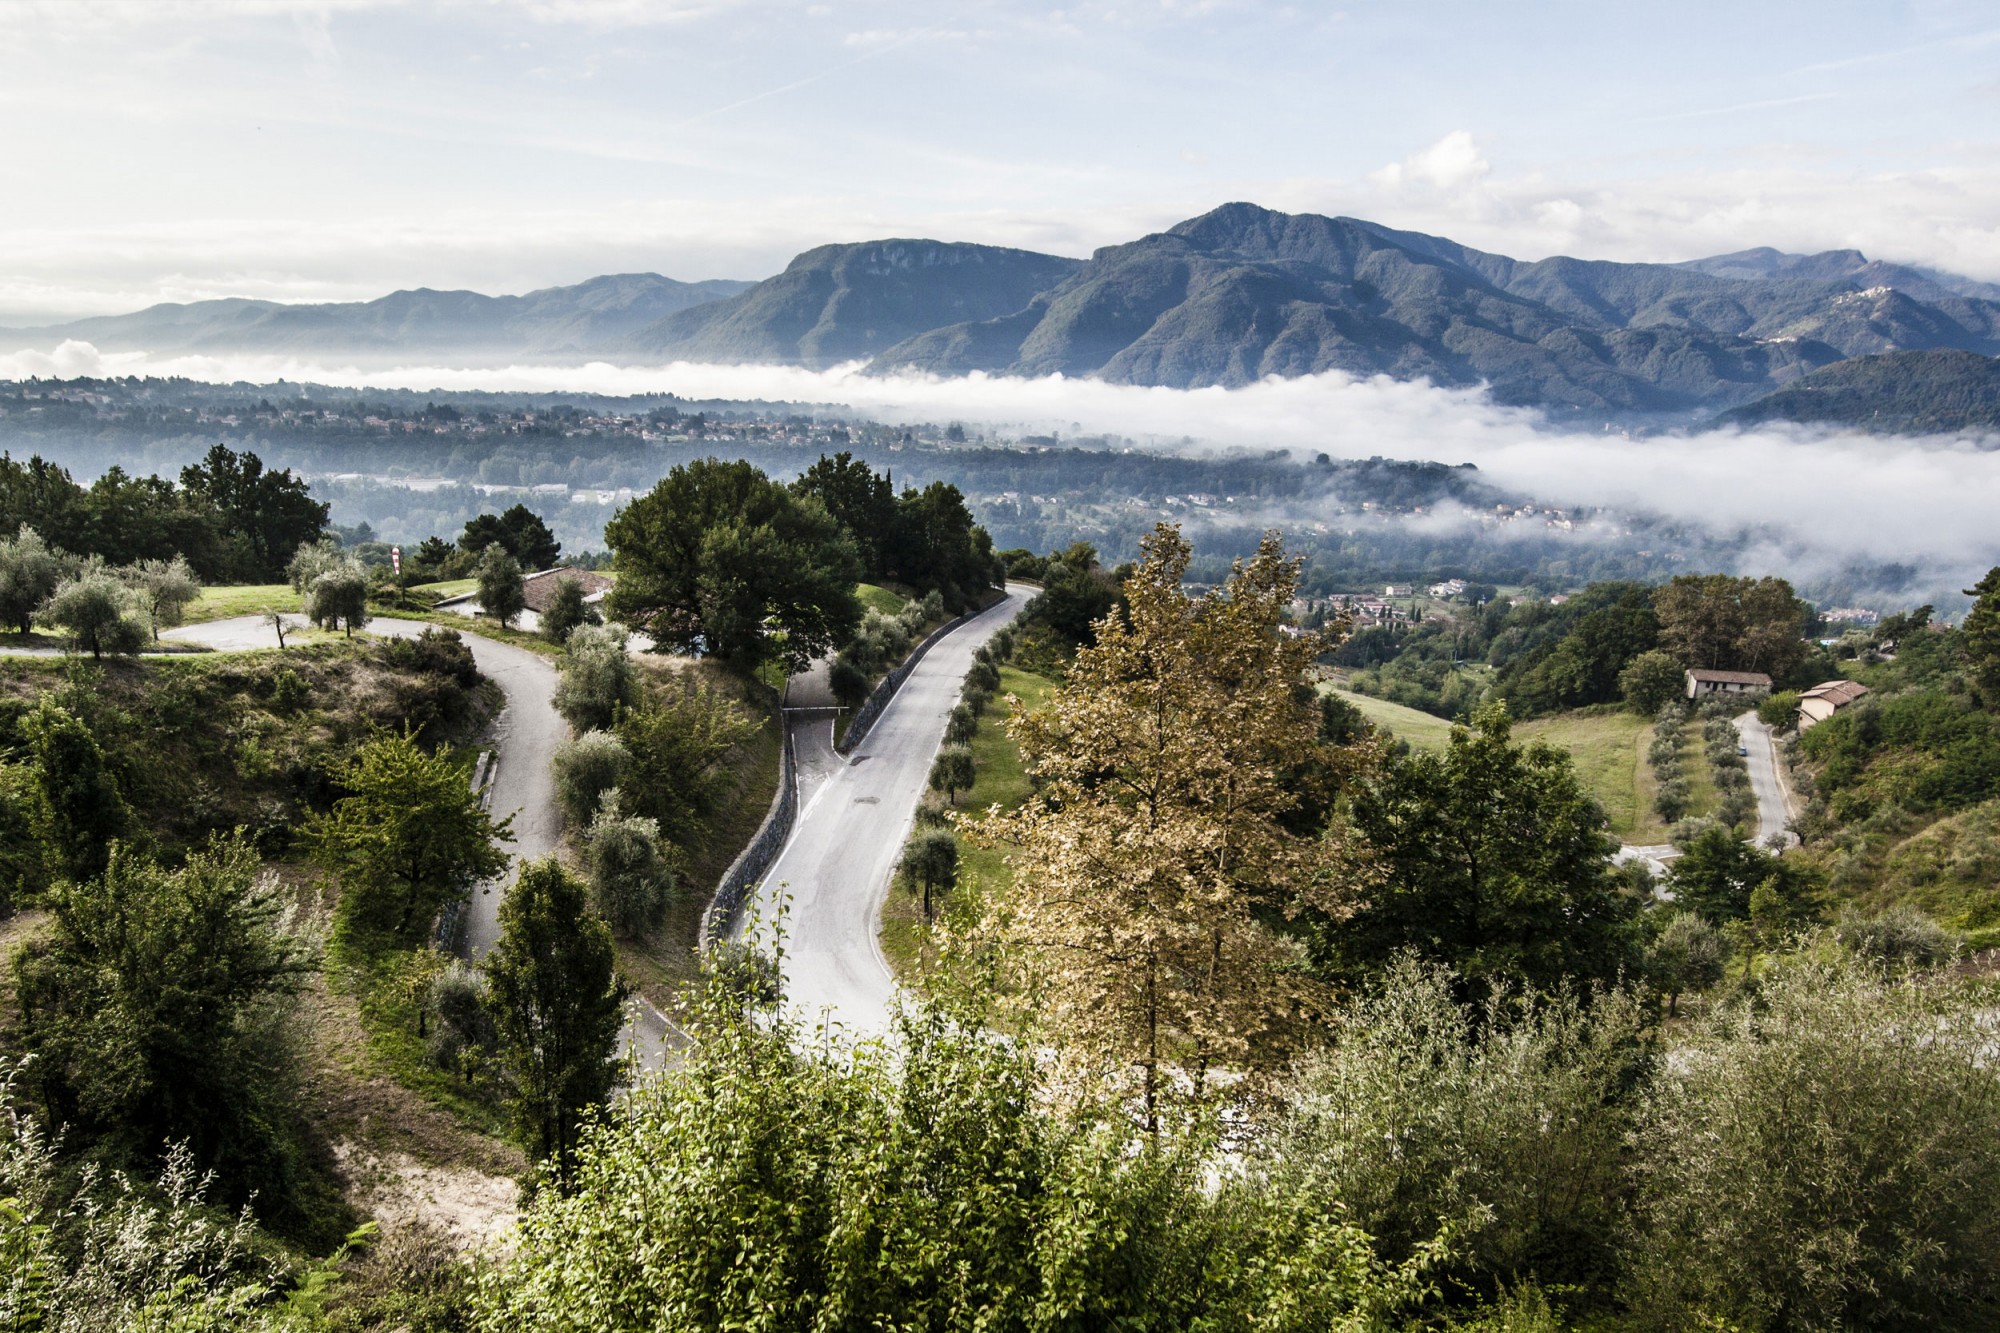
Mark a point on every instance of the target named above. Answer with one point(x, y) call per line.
point(525, 737)
point(1765, 785)
point(834, 870)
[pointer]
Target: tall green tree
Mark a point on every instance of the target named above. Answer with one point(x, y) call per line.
point(558, 1005)
point(520, 532)
point(270, 513)
point(720, 559)
point(408, 836)
point(76, 811)
point(1489, 857)
point(144, 1008)
point(1981, 638)
point(860, 499)
point(501, 591)
point(1733, 624)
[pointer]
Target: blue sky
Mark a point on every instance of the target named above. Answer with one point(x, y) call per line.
point(178, 149)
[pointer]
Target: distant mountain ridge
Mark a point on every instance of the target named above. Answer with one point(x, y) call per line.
point(1227, 298)
point(586, 318)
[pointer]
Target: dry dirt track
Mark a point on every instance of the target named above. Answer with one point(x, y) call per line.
point(834, 870)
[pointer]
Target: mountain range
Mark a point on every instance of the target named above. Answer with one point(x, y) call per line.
point(1227, 298)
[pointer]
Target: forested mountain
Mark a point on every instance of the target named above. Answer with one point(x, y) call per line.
point(553, 321)
point(1244, 292)
point(1227, 298)
point(1897, 393)
point(847, 302)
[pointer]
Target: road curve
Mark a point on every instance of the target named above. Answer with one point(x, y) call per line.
point(835, 868)
point(525, 737)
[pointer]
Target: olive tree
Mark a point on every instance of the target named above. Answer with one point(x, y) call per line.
point(631, 869)
point(586, 768)
point(596, 677)
point(95, 610)
point(952, 771)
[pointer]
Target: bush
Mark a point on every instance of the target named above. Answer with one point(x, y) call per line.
point(1672, 800)
point(596, 677)
point(567, 609)
point(1822, 1158)
point(1902, 937)
point(1507, 1122)
point(983, 676)
point(961, 726)
point(848, 681)
point(1689, 955)
point(437, 652)
point(586, 768)
point(1780, 712)
point(631, 876)
point(462, 1036)
point(976, 699)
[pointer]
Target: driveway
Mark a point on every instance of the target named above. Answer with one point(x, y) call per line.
point(1773, 815)
point(834, 870)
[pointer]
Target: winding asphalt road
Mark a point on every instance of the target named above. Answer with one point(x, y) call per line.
point(834, 871)
point(1773, 815)
point(525, 737)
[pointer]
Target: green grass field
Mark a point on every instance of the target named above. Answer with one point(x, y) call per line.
point(1001, 781)
point(874, 597)
point(247, 600)
point(1420, 729)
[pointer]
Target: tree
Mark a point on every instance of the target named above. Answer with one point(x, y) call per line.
point(558, 1005)
point(409, 835)
point(1780, 710)
point(680, 741)
point(163, 588)
point(502, 594)
point(338, 597)
point(1076, 594)
point(96, 610)
point(720, 559)
point(142, 1008)
point(1820, 1156)
point(1160, 844)
point(77, 812)
point(934, 544)
point(596, 677)
point(1980, 636)
point(952, 771)
point(1733, 624)
point(931, 860)
point(270, 513)
point(1717, 874)
point(1492, 860)
point(1689, 955)
point(567, 609)
point(961, 726)
point(30, 571)
point(1651, 681)
point(520, 532)
point(862, 501)
point(586, 768)
point(631, 871)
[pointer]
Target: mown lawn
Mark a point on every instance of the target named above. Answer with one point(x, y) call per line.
point(982, 871)
point(1609, 749)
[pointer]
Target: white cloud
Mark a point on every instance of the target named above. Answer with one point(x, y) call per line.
point(1821, 499)
point(1452, 163)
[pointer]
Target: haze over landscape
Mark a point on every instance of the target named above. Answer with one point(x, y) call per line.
point(957, 664)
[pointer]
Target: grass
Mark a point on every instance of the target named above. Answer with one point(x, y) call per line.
point(446, 588)
point(1609, 750)
point(1421, 730)
point(874, 597)
point(982, 871)
point(245, 600)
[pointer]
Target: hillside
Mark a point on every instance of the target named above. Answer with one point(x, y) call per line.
point(849, 302)
point(586, 317)
point(1897, 393)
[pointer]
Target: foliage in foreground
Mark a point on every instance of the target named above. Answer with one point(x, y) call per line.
point(777, 1182)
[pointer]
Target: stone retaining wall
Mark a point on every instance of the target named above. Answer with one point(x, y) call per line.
point(864, 717)
point(751, 864)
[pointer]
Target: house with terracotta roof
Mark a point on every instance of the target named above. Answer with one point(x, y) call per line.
point(1825, 699)
point(539, 591)
point(1701, 682)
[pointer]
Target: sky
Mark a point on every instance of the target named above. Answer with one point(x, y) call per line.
point(185, 149)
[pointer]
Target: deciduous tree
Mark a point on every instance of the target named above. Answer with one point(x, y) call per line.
point(558, 1005)
point(502, 593)
point(1157, 852)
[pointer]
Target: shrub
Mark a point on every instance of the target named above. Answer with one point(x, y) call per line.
point(984, 676)
point(961, 726)
point(1822, 1158)
point(1901, 937)
point(848, 681)
point(567, 609)
point(596, 677)
point(976, 699)
point(1689, 955)
point(462, 1036)
point(585, 769)
point(437, 652)
point(631, 875)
